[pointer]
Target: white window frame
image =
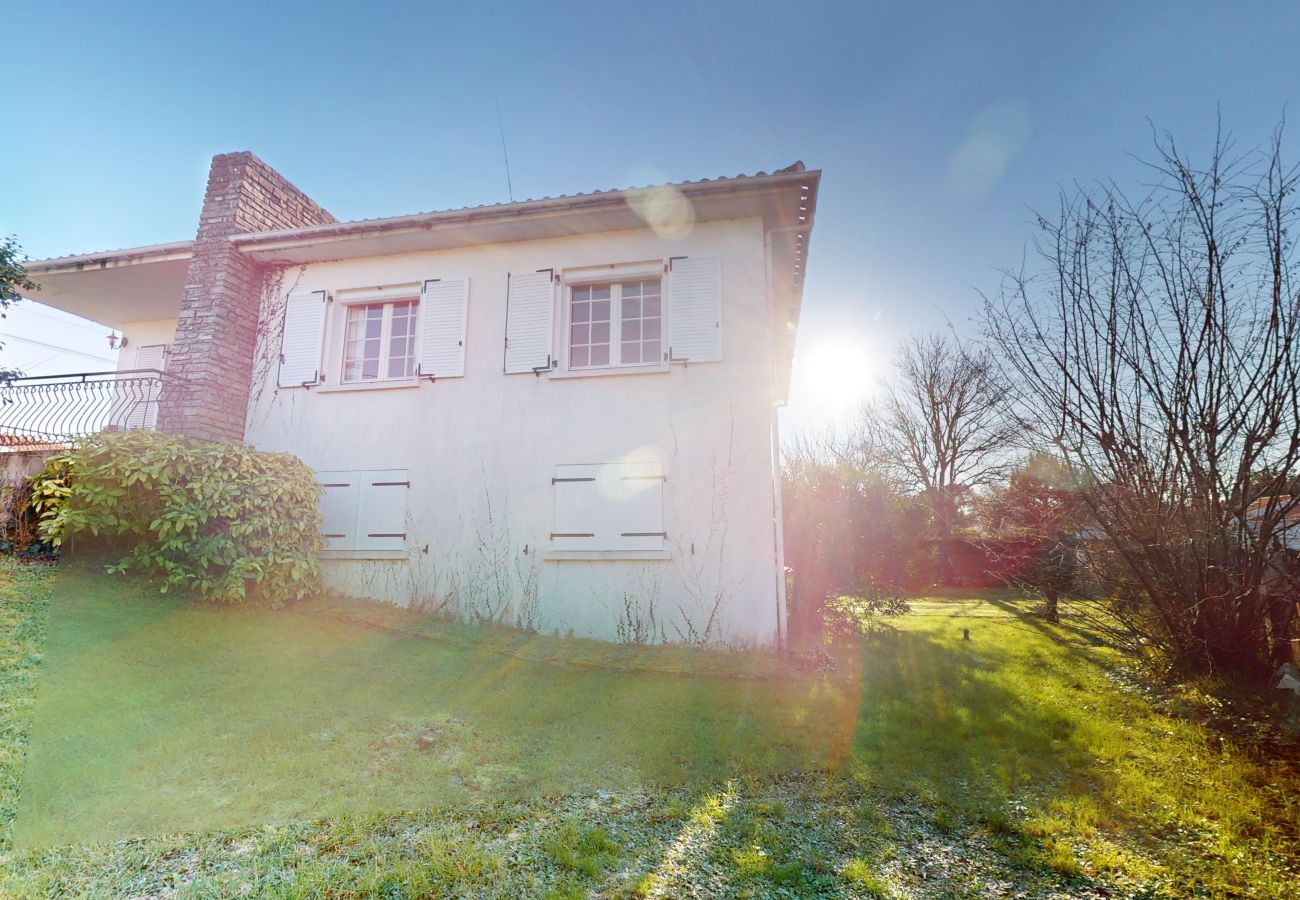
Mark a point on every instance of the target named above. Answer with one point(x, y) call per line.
point(614, 276)
point(385, 338)
point(335, 337)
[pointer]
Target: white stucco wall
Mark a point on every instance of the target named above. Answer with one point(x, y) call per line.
point(481, 449)
point(144, 334)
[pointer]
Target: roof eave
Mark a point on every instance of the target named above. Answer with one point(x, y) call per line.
point(109, 259)
point(535, 210)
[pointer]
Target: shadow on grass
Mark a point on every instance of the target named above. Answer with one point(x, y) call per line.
point(938, 720)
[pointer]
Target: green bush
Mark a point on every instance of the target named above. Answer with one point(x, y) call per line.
point(48, 498)
point(224, 521)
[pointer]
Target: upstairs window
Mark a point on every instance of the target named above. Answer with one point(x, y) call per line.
point(618, 323)
point(379, 341)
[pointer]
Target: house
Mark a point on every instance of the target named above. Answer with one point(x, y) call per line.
point(558, 413)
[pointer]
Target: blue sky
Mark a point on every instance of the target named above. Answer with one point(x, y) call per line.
point(939, 127)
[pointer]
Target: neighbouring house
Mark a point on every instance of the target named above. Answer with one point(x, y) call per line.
point(559, 413)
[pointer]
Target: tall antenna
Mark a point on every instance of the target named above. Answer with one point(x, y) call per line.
point(501, 128)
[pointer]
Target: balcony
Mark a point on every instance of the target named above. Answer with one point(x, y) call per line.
point(52, 411)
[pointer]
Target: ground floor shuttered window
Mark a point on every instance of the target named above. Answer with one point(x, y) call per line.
point(364, 510)
point(609, 508)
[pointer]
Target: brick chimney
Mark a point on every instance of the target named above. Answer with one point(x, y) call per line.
point(216, 334)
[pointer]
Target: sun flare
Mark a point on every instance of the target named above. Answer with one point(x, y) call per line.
point(836, 375)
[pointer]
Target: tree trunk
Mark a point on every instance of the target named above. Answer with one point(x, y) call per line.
point(1052, 605)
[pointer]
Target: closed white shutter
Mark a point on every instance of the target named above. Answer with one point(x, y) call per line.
point(338, 506)
point(609, 508)
point(381, 513)
point(636, 508)
point(530, 313)
point(580, 520)
point(300, 347)
point(444, 309)
point(695, 309)
point(135, 401)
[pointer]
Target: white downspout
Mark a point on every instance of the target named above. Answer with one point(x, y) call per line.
point(778, 519)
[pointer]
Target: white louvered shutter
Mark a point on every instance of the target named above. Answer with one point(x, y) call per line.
point(300, 347)
point(444, 310)
point(530, 313)
point(136, 400)
point(695, 309)
point(381, 513)
point(338, 507)
point(580, 517)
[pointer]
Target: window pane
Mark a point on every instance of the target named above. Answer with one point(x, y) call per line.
point(365, 338)
point(589, 325)
point(362, 340)
point(642, 325)
point(401, 368)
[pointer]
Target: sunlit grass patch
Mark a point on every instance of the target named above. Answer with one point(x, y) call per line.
point(481, 764)
point(1024, 730)
point(161, 715)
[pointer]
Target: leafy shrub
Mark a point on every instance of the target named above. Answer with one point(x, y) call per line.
point(859, 610)
point(48, 491)
point(224, 521)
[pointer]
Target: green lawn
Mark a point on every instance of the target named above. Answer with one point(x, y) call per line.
point(303, 753)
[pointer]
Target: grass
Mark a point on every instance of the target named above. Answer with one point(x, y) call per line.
point(299, 754)
point(157, 715)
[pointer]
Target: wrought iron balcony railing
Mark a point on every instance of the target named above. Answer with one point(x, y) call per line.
point(59, 409)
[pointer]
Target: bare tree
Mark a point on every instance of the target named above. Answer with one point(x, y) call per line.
point(1156, 349)
point(940, 425)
